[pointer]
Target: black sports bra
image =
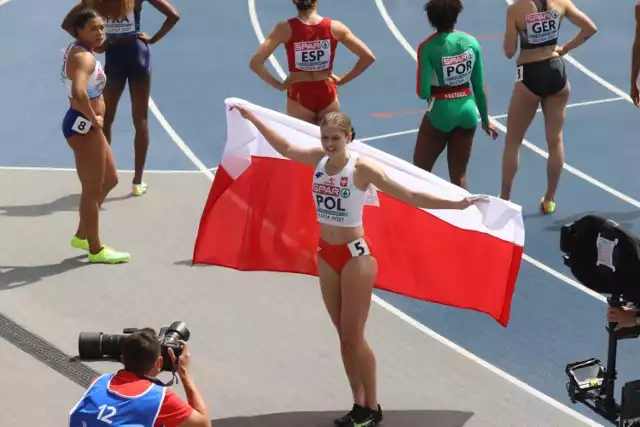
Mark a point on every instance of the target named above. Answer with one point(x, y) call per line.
point(542, 27)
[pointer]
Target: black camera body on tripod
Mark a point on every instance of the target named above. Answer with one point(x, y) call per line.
point(606, 259)
point(98, 345)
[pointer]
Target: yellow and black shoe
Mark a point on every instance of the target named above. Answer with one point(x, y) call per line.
point(547, 206)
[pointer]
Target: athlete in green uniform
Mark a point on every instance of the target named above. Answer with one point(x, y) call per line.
point(449, 67)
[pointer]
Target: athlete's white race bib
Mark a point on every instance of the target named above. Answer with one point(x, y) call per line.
point(81, 125)
point(519, 73)
point(359, 248)
point(457, 69)
point(120, 26)
point(542, 26)
point(313, 55)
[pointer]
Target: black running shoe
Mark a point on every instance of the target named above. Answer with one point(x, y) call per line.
point(345, 420)
point(365, 417)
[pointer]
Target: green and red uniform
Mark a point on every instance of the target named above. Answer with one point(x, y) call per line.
point(449, 67)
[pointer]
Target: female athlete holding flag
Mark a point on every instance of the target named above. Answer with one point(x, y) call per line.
point(449, 65)
point(347, 267)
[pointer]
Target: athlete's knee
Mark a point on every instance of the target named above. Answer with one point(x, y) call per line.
point(351, 338)
point(141, 124)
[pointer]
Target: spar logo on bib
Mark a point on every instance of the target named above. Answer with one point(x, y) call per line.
point(457, 69)
point(329, 201)
point(542, 26)
point(313, 55)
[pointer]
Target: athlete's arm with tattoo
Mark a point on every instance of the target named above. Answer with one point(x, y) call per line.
point(280, 144)
point(424, 73)
point(279, 35)
point(356, 46)
point(635, 60)
point(373, 174)
point(582, 21)
point(510, 42)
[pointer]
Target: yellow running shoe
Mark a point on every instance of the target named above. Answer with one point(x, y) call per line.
point(109, 256)
point(139, 189)
point(547, 206)
point(79, 243)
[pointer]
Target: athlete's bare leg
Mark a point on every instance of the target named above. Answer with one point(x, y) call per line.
point(430, 143)
point(357, 280)
point(458, 154)
point(332, 297)
point(294, 109)
point(522, 110)
point(554, 110)
point(333, 107)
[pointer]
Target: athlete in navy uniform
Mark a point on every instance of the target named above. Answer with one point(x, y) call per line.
point(127, 59)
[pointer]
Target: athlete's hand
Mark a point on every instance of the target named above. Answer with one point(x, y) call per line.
point(243, 111)
point(491, 130)
point(99, 123)
point(560, 50)
point(145, 38)
point(336, 79)
point(471, 200)
point(635, 94)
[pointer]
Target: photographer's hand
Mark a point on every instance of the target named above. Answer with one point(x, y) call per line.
point(200, 417)
point(625, 317)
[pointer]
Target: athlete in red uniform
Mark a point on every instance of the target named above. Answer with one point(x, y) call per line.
point(311, 41)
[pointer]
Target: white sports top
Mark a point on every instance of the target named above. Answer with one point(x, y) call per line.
point(97, 79)
point(338, 201)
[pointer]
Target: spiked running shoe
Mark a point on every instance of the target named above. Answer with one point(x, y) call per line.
point(108, 255)
point(139, 189)
point(345, 420)
point(547, 206)
point(365, 417)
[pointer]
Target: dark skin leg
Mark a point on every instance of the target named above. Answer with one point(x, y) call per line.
point(139, 90)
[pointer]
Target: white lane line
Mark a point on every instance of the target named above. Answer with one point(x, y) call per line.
point(501, 116)
point(543, 397)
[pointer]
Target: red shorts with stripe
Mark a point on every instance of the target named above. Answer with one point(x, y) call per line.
point(337, 256)
point(314, 96)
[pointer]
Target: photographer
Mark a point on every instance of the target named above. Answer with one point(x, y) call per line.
point(625, 317)
point(131, 397)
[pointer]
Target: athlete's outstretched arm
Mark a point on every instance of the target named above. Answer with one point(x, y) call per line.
point(635, 60)
point(171, 18)
point(582, 21)
point(279, 35)
point(365, 56)
point(373, 174)
point(425, 72)
point(280, 144)
point(510, 42)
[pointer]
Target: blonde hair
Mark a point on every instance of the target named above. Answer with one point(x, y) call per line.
point(339, 120)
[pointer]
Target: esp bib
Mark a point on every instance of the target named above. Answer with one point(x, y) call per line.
point(313, 55)
point(457, 69)
point(542, 26)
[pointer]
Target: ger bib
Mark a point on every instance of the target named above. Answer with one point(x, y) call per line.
point(457, 69)
point(542, 26)
point(313, 55)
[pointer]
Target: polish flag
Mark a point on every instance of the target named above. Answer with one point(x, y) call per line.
point(260, 215)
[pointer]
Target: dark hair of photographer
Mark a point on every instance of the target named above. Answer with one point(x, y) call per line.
point(141, 352)
point(142, 359)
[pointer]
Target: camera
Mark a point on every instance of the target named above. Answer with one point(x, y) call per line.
point(606, 259)
point(97, 345)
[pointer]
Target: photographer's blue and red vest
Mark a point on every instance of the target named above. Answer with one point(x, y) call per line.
point(101, 407)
